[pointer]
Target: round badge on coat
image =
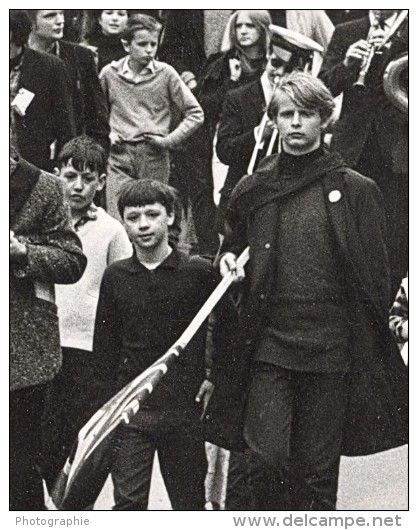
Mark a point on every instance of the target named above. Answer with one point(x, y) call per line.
point(334, 195)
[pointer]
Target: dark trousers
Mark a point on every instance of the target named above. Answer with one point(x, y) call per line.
point(182, 460)
point(70, 403)
point(191, 175)
point(293, 426)
point(26, 407)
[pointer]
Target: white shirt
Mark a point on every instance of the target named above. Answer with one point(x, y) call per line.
point(128, 73)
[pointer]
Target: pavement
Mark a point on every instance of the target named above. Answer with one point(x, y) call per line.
point(376, 482)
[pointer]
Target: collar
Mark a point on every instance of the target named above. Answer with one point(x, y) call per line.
point(268, 185)
point(295, 163)
point(16, 62)
point(133, 264)
point(388, 22)
point(130, 74)
point(89, 215)
point(267, 88)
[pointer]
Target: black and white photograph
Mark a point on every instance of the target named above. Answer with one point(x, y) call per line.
point(209, 266)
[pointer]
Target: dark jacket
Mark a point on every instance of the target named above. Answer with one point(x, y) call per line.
point(242, 111)
point(215, 83)
point(377, 412)
point(49, 117)
point(109, 48)
point(182, 43)
point(90, 107)
point(364, 110)
point(39, 218)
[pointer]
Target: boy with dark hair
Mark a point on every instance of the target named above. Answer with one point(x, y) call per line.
point(143, 96)
point(81, 168)
point(145, 303)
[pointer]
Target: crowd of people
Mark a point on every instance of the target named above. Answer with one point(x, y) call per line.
point(118, 122)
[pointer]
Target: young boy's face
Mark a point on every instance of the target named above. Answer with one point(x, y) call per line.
point(80, 187)
point(147, 226)
point(300, 129)
point(143, 47)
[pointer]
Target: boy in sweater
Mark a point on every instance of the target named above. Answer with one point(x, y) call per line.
point(81, 169)
point(144, 95)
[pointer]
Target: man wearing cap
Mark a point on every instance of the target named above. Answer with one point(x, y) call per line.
point(241, 121)
point(321, 374)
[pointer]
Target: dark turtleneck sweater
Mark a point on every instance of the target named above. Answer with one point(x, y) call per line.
point(307, 329)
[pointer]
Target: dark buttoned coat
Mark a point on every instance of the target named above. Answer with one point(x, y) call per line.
point(377, 411)
point(49, 117)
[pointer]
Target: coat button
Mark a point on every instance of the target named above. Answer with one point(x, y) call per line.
point(267, 245)
point(248, 342)
point(262, 296)
point(334, 196)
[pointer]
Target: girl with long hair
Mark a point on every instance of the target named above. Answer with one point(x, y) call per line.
point(243, 60)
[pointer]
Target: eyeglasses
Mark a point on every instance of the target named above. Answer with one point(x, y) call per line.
point(276, 62)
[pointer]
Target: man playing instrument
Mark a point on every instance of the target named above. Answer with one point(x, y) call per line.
point(371, 134)
point(314, 311)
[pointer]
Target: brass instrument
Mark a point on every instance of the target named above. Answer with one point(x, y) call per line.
point(392, 84)
point(367, 61)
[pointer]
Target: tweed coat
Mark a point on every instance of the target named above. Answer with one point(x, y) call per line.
point(377, 411)
point(38, 218)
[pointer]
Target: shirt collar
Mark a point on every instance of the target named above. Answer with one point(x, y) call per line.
point(89, 215)
point(130, 74)
point(388, 22)
point(172, 261)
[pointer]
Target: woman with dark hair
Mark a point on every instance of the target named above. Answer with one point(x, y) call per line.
point(104, 36)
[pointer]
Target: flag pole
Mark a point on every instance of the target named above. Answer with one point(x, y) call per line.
point(124, 405)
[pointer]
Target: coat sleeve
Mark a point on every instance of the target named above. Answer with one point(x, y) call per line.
point(54, 253)
point(337, 77)
point(236, 237)
point(61, 104)
point(234, 139)
point(371, 226)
